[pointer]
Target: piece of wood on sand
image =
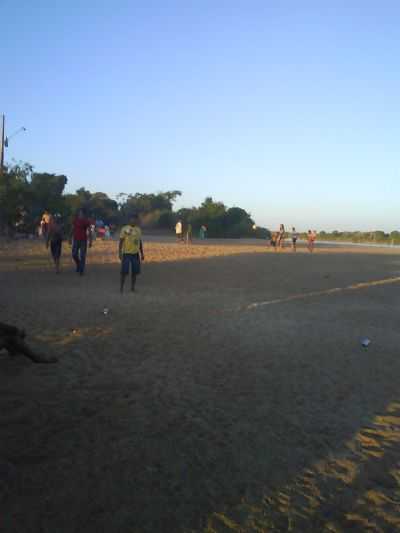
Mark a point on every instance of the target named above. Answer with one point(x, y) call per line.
point(13, 340)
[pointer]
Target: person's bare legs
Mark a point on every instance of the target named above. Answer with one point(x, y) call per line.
point(133, 282)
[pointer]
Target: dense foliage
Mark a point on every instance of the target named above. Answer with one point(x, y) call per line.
point(25, 194)
point(221, 221)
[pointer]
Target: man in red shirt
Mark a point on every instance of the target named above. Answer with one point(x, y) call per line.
point(81, 234)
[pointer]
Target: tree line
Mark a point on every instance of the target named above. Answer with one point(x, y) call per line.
point(377, 237)
point(25, 194)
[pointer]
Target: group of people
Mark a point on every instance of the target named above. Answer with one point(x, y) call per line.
point(54, 233)
point(130, 243)
point(278, 239)
point(185, 233)
point(130, 248)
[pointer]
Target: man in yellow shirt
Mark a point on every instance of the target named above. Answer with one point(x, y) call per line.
point(130, 245)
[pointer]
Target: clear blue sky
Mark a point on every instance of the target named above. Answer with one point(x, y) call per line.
point(289, 109)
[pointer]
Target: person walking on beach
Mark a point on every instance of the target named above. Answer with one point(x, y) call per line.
point(310, 241)
point(273, 240)
point(295, 236)
point(314, 237)
point(203, 232)
point(81, 236)
point(189, 234)
point(130, 245)
point(281, 236)
point(55, 237)
point(179, 231)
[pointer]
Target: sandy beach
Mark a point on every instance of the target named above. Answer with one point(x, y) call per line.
point(230, 393)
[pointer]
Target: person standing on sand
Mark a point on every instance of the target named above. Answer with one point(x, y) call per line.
point(310, 241)
point(273, 241)
point(130, 244)
point(203, 232)
point(295, 236)
point(189, 234)
point(81, 235)
point(314, 238)
point(281, 236)
point(55, 237)
point(179, 231)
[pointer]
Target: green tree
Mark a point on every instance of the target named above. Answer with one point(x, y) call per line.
point(14, 186)
point(238, 223)
point(46, 192)
point(153, 208)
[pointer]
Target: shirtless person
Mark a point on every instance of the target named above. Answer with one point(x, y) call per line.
point(310, 240)
point(281, 236)
point(54, 239)
point(45, 224)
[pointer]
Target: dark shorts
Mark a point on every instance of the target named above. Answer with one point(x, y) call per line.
point(130, 259)
point(55, 247)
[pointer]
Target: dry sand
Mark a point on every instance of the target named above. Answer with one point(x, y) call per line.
point(184, 409)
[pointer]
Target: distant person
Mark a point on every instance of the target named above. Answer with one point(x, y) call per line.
point(310, 241)
point(295, 236)
point(93, 231)
point(179, 231)
point(55, 237)
point(314, 234)
point(281, 236)
point(107, 234)
point(81, 236)
point(189, 234)
point(204, 227)
point(273, 240)
point(130, 245)
point(45, 224)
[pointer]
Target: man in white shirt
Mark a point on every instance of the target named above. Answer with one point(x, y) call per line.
point(178, 231)
point(295, 236)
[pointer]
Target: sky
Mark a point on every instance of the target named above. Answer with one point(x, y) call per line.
point(287, 108)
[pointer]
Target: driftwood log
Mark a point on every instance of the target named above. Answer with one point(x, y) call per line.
point(13, 340)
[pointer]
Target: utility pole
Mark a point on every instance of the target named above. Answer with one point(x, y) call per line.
point(4, 139)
